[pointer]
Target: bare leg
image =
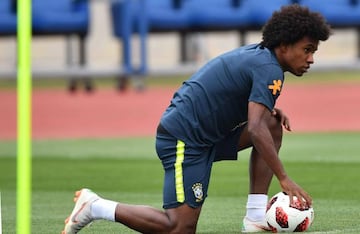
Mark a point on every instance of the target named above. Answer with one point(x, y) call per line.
point(260, 174)
point(145, 219)
point(260, 179)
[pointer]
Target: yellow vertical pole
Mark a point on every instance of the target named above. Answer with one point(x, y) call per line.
point(23, 189)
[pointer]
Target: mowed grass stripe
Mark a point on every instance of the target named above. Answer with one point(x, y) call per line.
point(220, 214)
point(340, 146)
point(325, 164)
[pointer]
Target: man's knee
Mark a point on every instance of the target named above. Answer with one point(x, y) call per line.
point(183, 219)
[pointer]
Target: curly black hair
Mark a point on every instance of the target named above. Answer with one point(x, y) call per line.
point(292, 23)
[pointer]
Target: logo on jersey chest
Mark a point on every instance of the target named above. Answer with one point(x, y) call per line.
point(275, 87)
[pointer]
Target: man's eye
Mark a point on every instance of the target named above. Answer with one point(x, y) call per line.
point(309, 50)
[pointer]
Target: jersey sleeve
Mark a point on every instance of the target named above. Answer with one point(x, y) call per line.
point(267, 82)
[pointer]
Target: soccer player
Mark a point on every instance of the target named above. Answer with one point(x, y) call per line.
point(225, 107)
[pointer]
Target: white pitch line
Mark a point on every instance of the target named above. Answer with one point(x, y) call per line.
point(0, 216)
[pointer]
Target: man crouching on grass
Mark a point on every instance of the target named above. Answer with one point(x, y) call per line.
point(225, 107)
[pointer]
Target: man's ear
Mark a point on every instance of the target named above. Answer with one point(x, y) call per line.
point(283, 47)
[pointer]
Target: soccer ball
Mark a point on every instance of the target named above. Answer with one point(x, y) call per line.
point(281, 217)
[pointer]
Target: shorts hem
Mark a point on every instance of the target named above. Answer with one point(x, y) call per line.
point(177, 204)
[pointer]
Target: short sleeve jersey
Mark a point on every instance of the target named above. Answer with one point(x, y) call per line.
point(215, 99)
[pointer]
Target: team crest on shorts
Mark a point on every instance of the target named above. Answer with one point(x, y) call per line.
point(198, 192)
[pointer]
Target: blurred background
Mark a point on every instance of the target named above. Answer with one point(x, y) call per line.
point(158, 37)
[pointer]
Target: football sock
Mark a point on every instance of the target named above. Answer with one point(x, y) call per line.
point(256, 207)
point(103, 209)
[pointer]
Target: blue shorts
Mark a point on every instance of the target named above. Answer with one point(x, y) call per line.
point(187, 168)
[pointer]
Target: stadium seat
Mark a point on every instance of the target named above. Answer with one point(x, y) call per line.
point(339, 13)
point(168, 15)
point(218, 14)
point(60, 17)
point(7, 18)
point(63, 17)
point(171, 16)
point(261, 10)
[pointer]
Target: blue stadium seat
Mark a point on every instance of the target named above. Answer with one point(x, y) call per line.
point(60, 17)
point(64, 17)
point(261, 10)
point(218, 14)
point(338, 13)
point(7, 18)
point(168, 15)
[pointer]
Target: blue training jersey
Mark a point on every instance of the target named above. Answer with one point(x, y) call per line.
point(215, 99)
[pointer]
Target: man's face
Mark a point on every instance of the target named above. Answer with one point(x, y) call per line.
point(298, 57)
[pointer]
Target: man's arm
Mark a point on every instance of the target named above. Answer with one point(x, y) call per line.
point(259, 124)
point(259, 118)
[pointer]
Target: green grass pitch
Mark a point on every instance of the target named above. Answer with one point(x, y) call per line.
point(127, 170)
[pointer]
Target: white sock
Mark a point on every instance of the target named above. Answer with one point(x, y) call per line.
point(103, 209)
point(256, 207)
